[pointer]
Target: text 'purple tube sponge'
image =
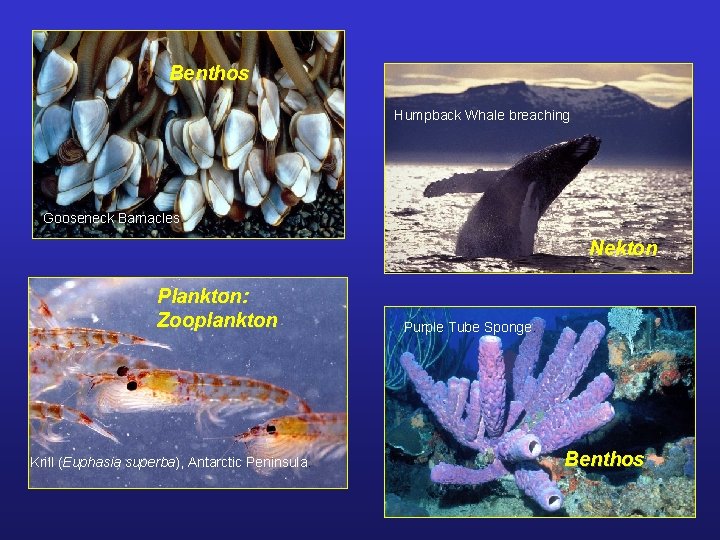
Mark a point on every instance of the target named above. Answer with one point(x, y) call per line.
point(539, 417)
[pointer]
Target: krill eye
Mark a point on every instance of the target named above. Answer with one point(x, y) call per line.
point(122, 371)
point(271, 429)
point(132, 385)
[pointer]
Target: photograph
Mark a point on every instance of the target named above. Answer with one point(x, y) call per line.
point(188, 134)
point(187, 383)
point(540, 411)
point(539, 167)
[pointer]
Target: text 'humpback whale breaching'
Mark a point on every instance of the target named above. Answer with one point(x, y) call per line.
point(503, 223)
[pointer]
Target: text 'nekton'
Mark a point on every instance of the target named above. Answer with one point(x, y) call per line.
point(620, 248)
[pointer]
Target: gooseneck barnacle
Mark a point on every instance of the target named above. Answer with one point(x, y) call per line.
point(310, 129)
point(261, 131)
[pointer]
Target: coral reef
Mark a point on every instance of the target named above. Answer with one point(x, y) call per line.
point(665, 358)
point(397, 507)
point(677, 459)
point(539, 419)
point(627, 322)
point(409, 437)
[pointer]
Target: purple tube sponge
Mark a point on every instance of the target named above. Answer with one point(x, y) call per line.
point(523, 381)
point(491, 375)
point(448, 402)
point(570, 420)
point(444, 473)
point(538, 419)
point(565, 367)
point(536, 483)
point(517, 445)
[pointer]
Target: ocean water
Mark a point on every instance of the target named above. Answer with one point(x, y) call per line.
point(306, 354)
point(648, 205)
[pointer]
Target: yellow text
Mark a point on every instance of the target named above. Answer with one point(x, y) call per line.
point(216, 73)
point(623, 249)
point(610, 459)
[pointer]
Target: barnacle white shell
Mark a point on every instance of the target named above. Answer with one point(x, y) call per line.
point(163, 66)
point(165, 200)
point(313, 184)
point(199, 141)
point(118, 76)
point(120, 160)
point(57, 76)
point(52, 128)
point(293, 172)
point(254, 182)
point(154, 156)
point(189, 205)
point(273, 207)
point(220, 106)
point(336, 104)
point(90, 121)
point(237, 139)
point(268, 108)
point(311, 133)
point(336, 177)
point(176, 148)
point(74, 182)
point(219, 187)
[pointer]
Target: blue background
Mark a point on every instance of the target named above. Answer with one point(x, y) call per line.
point(377, 32)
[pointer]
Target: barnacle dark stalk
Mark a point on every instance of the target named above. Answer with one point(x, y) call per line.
point(146, 62)
point(86, 58)
point(231, 44)
point(53, 39)
point(106, 47)
point(158, 115)
point(294, 65)
point(89, 113)
point(310, 129)
point(131, 46)
point(248, 56)
point(147, 108)
point(220, 106)
point(214, 49)
point(177, 50)
point(317, 68)
point(123, 107)
point(332, 62)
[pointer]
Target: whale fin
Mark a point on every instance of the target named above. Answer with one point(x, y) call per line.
point(474, 182)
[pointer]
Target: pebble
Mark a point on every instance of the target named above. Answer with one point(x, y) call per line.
point(325, 218)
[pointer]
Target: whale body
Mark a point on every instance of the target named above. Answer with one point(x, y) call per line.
point(504, 221)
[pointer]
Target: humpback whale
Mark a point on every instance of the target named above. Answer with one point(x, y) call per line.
point(504, 221)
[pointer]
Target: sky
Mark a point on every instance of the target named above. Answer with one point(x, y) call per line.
point(664, 85)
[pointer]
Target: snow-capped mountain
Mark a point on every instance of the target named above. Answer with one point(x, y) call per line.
point(632, 129)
